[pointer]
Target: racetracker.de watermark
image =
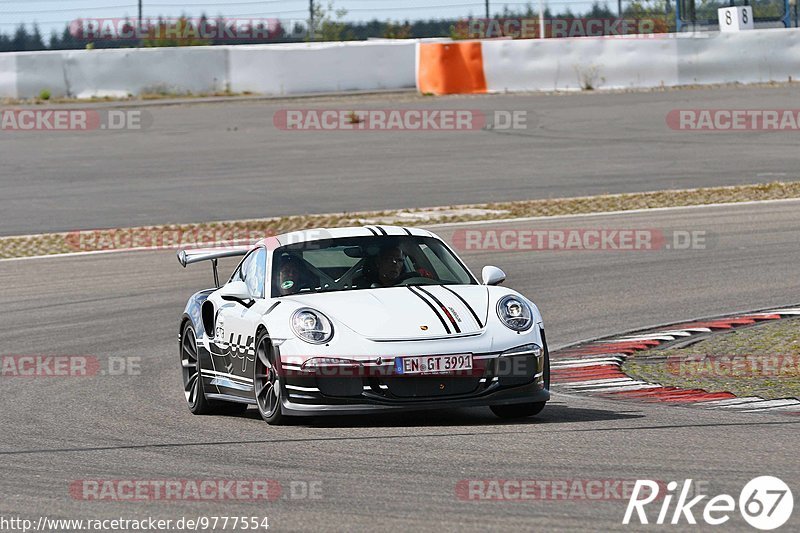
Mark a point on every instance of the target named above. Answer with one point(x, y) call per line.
point(418, 366)
point(734, 119)
point(398, 120)
point(734, 366)
point(578, 239)
point(238, 30)
point(49, 120)
point(529, 28)
point(141, 523)
point(169, 239)
point(67, 366)
point(545, 489)
point(194, 490)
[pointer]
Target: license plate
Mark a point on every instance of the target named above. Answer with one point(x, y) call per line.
point(433, 364)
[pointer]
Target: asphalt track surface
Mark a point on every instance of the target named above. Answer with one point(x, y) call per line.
point(395, 472)
point(222, 161)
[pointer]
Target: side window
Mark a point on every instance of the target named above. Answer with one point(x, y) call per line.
point(238, 274)
point(253, 271)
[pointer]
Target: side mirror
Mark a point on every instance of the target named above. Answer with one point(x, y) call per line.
point(492, 275)
point(235, 291)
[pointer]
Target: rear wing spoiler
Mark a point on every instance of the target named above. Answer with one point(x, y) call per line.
point(188, 257)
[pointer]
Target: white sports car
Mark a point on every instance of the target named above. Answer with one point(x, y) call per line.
point(359, 320)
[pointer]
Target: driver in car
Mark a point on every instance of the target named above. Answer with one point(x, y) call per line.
point(382, 270)
point(387, 269)
point(390, 266)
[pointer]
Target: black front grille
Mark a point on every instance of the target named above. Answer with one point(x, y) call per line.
point(430, 386)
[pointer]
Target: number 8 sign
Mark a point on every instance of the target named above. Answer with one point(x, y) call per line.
point(736, 18)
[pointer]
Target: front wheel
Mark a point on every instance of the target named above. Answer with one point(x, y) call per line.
point(267, 383)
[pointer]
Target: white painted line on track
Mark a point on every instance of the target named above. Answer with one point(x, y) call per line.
point(781, 408)
point(604, 381)
point(625, 388)
point(666, 338)
point(598, 386)
point(610, 213)
point(688, 331)
point(732, 401)
point(677, 332)
point(764, 404)
point(443, 225)
point(611, 363)
point(615, 358)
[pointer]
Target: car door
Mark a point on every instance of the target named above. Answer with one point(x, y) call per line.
point(240, 321)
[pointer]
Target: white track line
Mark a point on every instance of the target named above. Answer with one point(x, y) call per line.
point(688, 330)
point(624, 388)
point(592, 382)
point(612, 363)
point(615, 358)
point(732, 401)
point(790, 408)
point(764, 404)
point(445, 225)
point(620, 383)
point(665, 338)
point(610, 213)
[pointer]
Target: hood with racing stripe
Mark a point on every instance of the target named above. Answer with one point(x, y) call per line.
point(405, 313)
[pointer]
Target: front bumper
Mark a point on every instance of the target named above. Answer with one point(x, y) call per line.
point(531, 393)
point(496, 379)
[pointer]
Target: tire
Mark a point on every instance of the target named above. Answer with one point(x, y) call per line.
point(193, 389)
point(522, 410)
point(267, 383)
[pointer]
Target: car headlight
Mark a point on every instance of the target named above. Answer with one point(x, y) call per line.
point(514, 313)
point(529, 349)
point(312, 326)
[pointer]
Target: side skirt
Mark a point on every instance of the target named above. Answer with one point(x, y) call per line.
point(229, 398)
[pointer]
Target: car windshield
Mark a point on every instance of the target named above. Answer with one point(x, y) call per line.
point(365, 263)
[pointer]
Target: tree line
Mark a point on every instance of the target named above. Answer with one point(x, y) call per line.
point(328, 25)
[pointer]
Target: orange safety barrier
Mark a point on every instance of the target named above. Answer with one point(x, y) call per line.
point(451, 68)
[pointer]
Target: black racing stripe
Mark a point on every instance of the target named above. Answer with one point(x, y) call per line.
point(407, 231)
point(383, 231)
point(433, 308)
point(444, 309)
point(371, 230)
point(463, 301)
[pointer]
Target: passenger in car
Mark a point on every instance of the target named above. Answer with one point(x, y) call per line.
point(293, 276)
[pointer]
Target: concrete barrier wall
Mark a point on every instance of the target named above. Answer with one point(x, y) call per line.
point(281, 69)
point(121, 72)
point(570, 64)
point(623, 62)
point(308, 68)
point(8, 76)
point(37, 71)
point(754, 56)
point(504, 65)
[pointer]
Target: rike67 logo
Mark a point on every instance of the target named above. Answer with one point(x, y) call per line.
point(765, 503)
